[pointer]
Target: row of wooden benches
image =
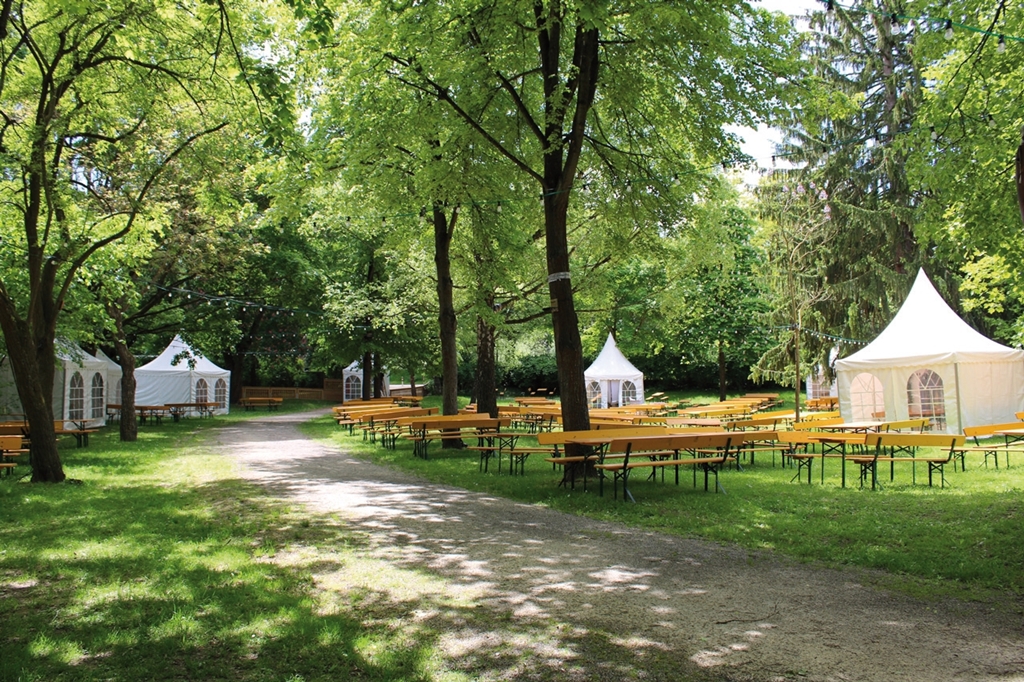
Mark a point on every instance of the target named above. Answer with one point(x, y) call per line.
point(707, 452)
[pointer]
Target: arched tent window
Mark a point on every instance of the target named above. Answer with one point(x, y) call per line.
point(76, 397)
point(353, 388)
point(926, 397)
point(593, 392)
point(866, 397)
point(202, 391)
point(220, 393)
point(98, 405)
point(628, 393)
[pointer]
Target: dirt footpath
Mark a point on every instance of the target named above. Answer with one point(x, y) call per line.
point(581, 599)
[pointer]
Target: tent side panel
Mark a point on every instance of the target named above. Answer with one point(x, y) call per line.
point(160, 388)
point(991, 393)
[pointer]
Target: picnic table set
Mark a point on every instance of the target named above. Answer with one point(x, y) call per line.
point(657, 439)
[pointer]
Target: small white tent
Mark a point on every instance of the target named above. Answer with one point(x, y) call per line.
point(353, 377)
point(930, 363)
point(613, 380)
point(182, 375)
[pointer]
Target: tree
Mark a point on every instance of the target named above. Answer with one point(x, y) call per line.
point(559, 87)
point(962, 155)
point(716, 299)
point(852, 137)
point(799, 226)
point(97, 102)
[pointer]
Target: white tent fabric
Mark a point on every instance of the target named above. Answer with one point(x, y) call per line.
point(613, 380)
point(84, 382)
point(81, 398)
point(929, 362)
point(113, 377)
point(180, 375)
point(353, 377)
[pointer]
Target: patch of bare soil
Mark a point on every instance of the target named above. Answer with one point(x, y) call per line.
point(572, 598)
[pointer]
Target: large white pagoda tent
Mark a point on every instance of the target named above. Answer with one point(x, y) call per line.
point(613, 380)
point(930, 363)
point(181, 374)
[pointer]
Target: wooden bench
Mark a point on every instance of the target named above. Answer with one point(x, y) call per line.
point(810, 424)
point(349, 416)
point(253, 403)
point(81, 434)
point(992, 449)
point(424, 430)
point(384, 423)
point(556, 439)
point(795, 446)
point(10, 447)
point(887, 445)
point(708, 452)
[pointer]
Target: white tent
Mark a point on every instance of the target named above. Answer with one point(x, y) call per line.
point(613, 380)
point(929, 363)
point(353, 377)
point(80, 385)
point(113, 377)
point(182, 375)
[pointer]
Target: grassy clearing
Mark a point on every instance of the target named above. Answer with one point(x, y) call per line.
point(961, 540)
point(163, 564)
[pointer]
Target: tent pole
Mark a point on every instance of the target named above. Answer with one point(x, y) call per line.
point(959, 417)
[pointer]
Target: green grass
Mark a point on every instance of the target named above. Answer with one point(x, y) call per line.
point(961, 540)
point(164, 564)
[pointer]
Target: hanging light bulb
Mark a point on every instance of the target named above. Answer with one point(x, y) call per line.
point(935, 135)
point(499, 207)
point(949, 29)
point(1001, 45)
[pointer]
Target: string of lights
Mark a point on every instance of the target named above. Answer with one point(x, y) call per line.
point(229, 301)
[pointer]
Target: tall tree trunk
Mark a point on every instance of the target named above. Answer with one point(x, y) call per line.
point(128, 426)
point(485, 386)
point(561, 159)
point(367, 375)
point(33, 362)
point(443, 231)
point(721, 371)
point(378, 376)
point(30, 349)
point(412, 382)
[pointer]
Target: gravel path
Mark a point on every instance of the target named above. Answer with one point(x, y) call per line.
point(582, 599)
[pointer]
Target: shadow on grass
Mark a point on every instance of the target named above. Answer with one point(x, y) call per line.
point(119, 579)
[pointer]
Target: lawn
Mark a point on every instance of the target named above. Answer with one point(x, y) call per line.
point(160, 562)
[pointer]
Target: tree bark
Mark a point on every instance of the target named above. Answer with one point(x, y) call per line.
point(561, 158)
point(444, 228)
point(33, 362)
point(378, 376)
point(128, 426)
point(367, 374)
point(485, 388)
point(721, 371)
